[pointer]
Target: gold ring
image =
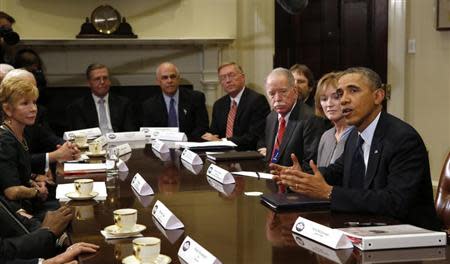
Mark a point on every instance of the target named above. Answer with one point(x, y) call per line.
point(296, 186)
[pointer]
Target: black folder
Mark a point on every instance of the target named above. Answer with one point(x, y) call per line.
point(293, 201)
point(234, 155)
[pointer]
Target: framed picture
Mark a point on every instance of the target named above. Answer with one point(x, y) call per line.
point(443, 14)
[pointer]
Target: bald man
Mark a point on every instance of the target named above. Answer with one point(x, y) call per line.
point(175, 106)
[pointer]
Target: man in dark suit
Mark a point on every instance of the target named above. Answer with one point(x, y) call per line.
point(101, 108)
point(292, 126)
point(240, 115)
point(174, 106)
point(384, 169)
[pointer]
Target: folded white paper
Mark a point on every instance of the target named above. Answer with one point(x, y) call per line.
point(101, 140)
point(153, 132)
point(171, 136)
point(64, 188)
point(165, 217)
point(171, 235)
point(107, 235)
point(122, 166)
point(191, 157)
point(163, 156)
point(141, 186)
point(191, 252)
point(160, 146)
point(330, 237)
point(195, 169)
point(226, 189)
point(84, 167)
point(123, 149)
point(135, 139)
point(259, 175)
point(89, 132)
point(205, 145)
point(219, 174)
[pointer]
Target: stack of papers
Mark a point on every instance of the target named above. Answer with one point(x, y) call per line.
point(234, 155)
point(225, 144)
point(81, 168)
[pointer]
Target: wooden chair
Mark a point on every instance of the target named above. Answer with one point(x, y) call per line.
point(442, 201)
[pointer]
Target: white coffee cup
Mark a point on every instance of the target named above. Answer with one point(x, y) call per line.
point(125, 218)
point(84, 186)
point(95, 147)
point(146, 249)
point(80, 139)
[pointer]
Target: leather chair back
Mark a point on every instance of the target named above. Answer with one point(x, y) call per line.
point(442, 202)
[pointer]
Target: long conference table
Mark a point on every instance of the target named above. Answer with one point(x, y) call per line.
point(234, 227)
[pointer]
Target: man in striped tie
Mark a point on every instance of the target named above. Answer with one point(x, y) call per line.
point(240, 115)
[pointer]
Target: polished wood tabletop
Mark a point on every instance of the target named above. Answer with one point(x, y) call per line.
point(234, 227)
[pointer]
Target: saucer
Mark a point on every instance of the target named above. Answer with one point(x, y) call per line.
point(161, 259)
point(100, 154)
point(79, 197)
point(115, 230)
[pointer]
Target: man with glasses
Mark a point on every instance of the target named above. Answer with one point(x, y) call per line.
point(291, 127)
point(240, 115)
point(176, 106)
point(102, 109)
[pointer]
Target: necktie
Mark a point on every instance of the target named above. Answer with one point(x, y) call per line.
point(103, 121)
point(278, 140)
point(230, 119)
point(358, 169)
point(173, 119)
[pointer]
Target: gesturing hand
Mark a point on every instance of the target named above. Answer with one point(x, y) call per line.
point(277, 169)
point(312, 185)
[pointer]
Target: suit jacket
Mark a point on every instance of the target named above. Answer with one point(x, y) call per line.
point(301, 136)
point(192, 115)
point(397, 182)
point(249, 122)
point(83, 113)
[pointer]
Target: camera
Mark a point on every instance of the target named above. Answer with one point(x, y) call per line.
point(9, 36)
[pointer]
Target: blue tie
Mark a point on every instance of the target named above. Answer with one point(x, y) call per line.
point(173, 120)
point(358, 168)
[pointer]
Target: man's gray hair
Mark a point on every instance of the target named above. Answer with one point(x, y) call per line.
point(4, 69)
point(283, 72)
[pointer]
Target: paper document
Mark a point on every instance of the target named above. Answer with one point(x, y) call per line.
point(205, 145)
point(254, 174)
point(84, 167)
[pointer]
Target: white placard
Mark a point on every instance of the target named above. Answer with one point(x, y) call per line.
point(122, 166)
point(89, 132)
point(162, 156)
point(123, 149)
point(226, 189)
point(330, 237)
point(191, 157)
point(101, 140)
point(219, 174)
point(191, 252)
point(165, 217)
point(144, 200)
point(160, 146)
point(171, 235)
point(195, 169)
point(153, 132)
point(141, 186)
point(172, 136)
point(135, 139)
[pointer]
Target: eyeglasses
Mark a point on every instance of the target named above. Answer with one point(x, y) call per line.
point(231, 76)
point(100, 79)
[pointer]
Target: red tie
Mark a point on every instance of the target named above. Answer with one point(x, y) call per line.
point(230, 119)
point(276, 146)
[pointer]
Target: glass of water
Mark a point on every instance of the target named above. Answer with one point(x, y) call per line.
point(112, 158)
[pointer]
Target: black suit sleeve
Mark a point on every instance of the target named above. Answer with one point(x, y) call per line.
point(74, 117)
point(312, 131)
point(37, 244)
point(259, 110)
point(129, 122)
point(201, 119)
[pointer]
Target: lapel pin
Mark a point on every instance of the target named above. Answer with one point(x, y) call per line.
point(185, 111)
point(376, 151)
